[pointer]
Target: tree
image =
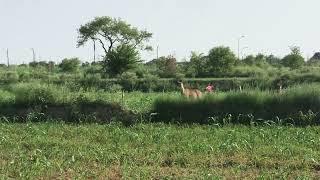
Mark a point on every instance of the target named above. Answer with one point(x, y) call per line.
point(273, 60)
point(70, 65)
point(121, 59)
point(170, 67)
point(165, 67)
point(316, 56)
point(111, 32)
point(294, 60)
point(197, 65)
point(220, 59)
point(249, 60)
point(315, 59)
point(260, 59)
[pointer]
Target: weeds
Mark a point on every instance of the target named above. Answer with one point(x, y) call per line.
point(58, 150)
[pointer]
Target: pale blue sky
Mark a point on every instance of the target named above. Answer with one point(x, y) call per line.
point(179, 26)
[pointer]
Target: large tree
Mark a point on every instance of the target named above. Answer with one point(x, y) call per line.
point(111, 32)
point(197, 64)
point(118, 39)
point(220, 60)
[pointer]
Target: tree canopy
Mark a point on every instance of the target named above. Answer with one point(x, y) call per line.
point(121, 59)
point(70, 65)
point(294, 59)
point(111, 32)
point(220, 59)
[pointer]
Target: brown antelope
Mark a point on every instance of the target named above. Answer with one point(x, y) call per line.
point(187, 92)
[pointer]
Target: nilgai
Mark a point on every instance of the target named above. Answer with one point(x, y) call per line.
point(187, 92)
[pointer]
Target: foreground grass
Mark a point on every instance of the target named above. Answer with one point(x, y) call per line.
point(57, 150)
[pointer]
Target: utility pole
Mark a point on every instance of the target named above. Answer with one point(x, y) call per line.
point(8, 60)
point(157, 51)
point(94, 50)
point(242, 51)
point(33, 55)
point(239, 46)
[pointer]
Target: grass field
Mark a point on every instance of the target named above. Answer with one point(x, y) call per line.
point(160, 151)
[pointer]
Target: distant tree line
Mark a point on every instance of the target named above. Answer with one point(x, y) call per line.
point(122, 44)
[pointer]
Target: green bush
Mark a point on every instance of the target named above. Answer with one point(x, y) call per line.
point(24, 76)
point(149, 83)
point(121, 59)
point(294, 60)
point(114, 88)
point(128, 81)
point(35, 94)
point(6, 98)
point(12, 77)
point(70, 65)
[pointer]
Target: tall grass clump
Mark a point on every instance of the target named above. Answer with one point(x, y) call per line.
point(6, 98)
point(290, 105)
point(30, 94)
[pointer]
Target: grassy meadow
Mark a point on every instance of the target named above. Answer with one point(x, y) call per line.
point(164, 146)
point(157, 151)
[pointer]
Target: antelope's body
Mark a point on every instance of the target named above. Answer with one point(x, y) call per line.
point(187, 92)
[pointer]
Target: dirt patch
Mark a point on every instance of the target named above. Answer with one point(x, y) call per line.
point(114, 173)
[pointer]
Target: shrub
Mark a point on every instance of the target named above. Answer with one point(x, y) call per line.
point(128, 81)
point(294, 60)
point(12, 77)
point(35, 94)
point(6, 98)
point(121, 59)
point(24, 76)
point(114, 88)
point(70, 65)
point(149, 83)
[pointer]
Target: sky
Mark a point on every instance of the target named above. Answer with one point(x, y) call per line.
point(178, 26)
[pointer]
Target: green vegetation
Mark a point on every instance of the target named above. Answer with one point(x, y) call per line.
point(296, 106)
point(70, 65)
point(121, 59)
point(123, 117)
point(118, 39)
point(220, 60)
point(152, 151)
point(293, 60)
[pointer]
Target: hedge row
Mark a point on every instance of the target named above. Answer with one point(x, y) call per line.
point(298, 106)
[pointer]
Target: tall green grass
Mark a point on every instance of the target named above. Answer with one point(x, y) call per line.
point(244, 107)
point(296, 105)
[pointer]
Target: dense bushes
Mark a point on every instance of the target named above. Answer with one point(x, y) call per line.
point(299, 106)
point(35, 94)
point(151, 83)
point(70, 65)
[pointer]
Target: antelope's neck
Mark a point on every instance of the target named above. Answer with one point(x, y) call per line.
point(182, 87)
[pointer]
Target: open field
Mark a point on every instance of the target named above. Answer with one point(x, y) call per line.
point(231, 97)
point(57, 150)
point(54, 149)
